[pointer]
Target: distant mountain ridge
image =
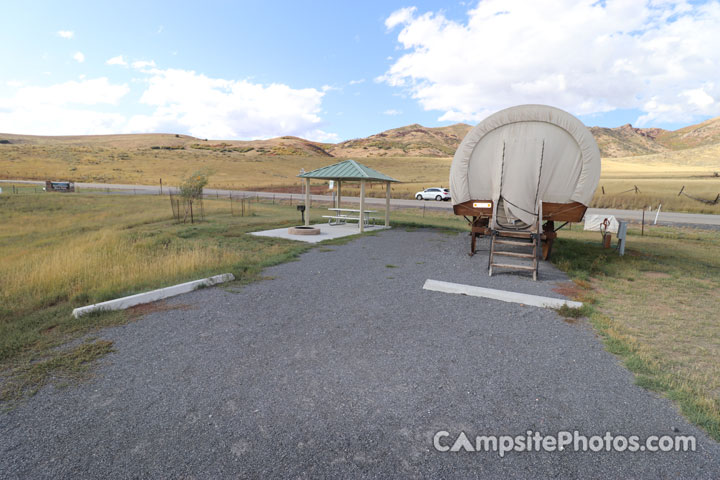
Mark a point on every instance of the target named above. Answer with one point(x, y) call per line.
point(409, 141)
point(627, 141)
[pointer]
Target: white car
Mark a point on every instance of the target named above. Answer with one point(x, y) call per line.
point(434, 194)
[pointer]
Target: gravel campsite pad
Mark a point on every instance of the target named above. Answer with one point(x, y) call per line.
point(341, 365)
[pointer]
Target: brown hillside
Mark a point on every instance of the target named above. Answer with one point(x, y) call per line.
point(165, 141)
point(705, 133)
point(409, 141)
point(413, 141)
point(627, 141)
point(144, 140)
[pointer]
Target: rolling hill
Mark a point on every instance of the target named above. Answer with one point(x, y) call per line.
point(705, 133)
point(627, 141)
point(410, 141)
point(413, 141)
point(165, 141)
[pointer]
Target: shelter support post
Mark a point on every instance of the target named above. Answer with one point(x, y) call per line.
point(307, 202)
point(387, 204)
point(339, 194)
point(361, 222)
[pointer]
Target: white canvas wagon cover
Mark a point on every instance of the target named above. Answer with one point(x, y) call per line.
point(526, 153)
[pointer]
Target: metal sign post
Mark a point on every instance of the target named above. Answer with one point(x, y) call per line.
point(621, 235)
point(657, 214)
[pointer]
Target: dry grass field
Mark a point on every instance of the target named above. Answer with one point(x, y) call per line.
point(229, 169)
point(61, 251)
point(656, 308)
point(145, 159)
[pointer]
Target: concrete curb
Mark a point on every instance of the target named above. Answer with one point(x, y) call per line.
point(502, 295)
point(154, 295)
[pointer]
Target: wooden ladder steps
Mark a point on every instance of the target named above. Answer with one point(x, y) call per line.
point(515, 239)
point(518, 267)
point(514, 254)
point(515, 242)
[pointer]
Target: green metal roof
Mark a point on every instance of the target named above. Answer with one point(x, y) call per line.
point(348, 170)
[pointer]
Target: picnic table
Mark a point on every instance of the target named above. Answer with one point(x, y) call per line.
point(343, 215)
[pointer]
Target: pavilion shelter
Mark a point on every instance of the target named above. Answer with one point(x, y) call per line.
point(349, 171)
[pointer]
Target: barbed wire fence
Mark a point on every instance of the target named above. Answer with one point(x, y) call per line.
point(697, 199)
point(682, 192)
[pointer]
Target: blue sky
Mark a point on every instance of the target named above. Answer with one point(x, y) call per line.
point(339, 70)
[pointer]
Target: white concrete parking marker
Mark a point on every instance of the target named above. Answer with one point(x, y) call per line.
point(502, 295)
point(154, 295)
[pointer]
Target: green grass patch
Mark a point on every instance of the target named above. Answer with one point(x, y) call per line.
point(655, 310)
point(574, 313)
point(26, 378)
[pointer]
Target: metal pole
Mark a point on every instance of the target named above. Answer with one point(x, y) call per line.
point(642, 228)
point(387, 205)
point(657, 214)
point(361, 220)
point(307, 202)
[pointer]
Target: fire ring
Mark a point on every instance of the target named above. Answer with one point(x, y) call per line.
point(304, 230)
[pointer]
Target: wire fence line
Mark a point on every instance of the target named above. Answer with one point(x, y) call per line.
point(239, 200)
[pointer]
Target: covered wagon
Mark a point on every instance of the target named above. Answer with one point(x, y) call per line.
point(521, 171)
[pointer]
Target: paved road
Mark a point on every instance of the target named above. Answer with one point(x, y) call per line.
point(665, 218)
point(341, 366)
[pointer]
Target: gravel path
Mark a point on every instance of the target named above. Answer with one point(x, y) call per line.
point(340, 365)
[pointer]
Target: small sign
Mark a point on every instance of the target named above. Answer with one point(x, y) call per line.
point(331, 184)
point(482, 205)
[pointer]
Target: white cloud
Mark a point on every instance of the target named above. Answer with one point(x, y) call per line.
point(79, 57)
point(140, 64)
point(66, 34)
point(586, 57)
point(322, 136)
point(356, 82)
point(179, 101)
point(189, 102)
point(399, 17)
point(63, 109)
point(119, 60)
point(392, 112)
point(87, 92)
point(14, 83)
